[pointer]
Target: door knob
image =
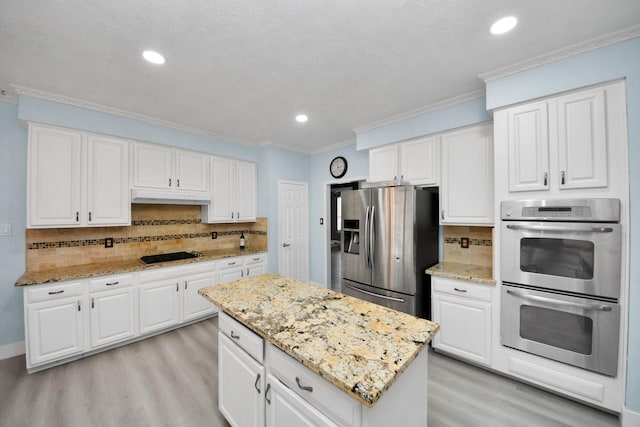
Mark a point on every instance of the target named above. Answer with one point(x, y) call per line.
point(285, 245)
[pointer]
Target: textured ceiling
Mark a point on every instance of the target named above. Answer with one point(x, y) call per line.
point(242, 69)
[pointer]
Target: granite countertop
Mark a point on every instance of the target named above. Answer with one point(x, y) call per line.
point(116, 267)
point(358, 346)
point(470, 272)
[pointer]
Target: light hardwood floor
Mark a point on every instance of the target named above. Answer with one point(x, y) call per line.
point(170, 380)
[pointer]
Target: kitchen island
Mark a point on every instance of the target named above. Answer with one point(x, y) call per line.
point(359, 347)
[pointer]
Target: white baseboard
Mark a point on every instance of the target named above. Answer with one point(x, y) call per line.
point(629, 418)
point(11, 350)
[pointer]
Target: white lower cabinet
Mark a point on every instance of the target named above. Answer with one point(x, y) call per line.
point(112, 316)
point(286, 408)
point(159, 305)
point(193, 304)
point(463, 310)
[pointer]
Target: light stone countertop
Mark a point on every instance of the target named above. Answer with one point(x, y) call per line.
point(358, 346)
point(117, 267)
point(469, 272)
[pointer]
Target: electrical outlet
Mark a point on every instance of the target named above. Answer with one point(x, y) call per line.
point(464, 242)
point(214, 234)
point(108, 242)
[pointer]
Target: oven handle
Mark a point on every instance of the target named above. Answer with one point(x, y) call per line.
point(558, 302)
point(561, 229)
point(373, 294)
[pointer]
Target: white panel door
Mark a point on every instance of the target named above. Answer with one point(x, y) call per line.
point(159, 305)
point(528, 143)
point(107, 181)
point(420, 161)
point(192, 171)
point(582, 140)
point(55, 329)
point(293, 230)
point(55, 162)
point(194, 304)
point(383, 163)
point(152, 166)
point(245, 189)
point(467, 176)
point(222, 195)
point(112, 316)
point(285, 408)
point(240, 385)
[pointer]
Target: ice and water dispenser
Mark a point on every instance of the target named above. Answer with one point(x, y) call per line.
point(351, 228)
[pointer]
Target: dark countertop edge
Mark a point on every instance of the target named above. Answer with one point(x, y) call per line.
point(64, 274)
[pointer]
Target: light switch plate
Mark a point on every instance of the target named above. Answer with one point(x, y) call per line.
point(5, 230)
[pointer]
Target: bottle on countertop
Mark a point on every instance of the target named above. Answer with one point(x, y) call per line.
point(242, 240)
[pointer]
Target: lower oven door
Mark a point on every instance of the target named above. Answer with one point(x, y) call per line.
point(390, 299)
point(579, 331)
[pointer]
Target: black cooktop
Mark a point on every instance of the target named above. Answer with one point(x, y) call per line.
point(173, 256)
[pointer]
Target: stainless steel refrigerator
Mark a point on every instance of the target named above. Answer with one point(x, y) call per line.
point(389, 237)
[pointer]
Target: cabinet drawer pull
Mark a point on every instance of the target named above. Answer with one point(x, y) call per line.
point(256, 259)
point(304, 387)
point(256, 383)
point(111, 284)
point(464, 291)
point(231, 263)
point(266, 394)
point(56, 292)
point(234, 336)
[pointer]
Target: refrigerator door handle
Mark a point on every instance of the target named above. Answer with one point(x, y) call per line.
point(373, 294)
point(372, 237)
point(366, 235)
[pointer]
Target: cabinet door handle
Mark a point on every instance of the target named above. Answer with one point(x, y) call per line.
point(464, 291)
point(395, 177)
point(79, 306)
point(241, 273)
point(247, 272)
point(256, 384)
point(237, 215)
point(562, 177)
point(545, 178)
point(77, 216)
point(111, 284)
point(178, 182)
point(177, 287)
point(303, 387)
point(186, 284)
point(231, 215)
point(56, 292)
point(442, 214)
point(89, 216)
point(266, 394)
point(234, 336)
point(169, 182)
point(93, 304)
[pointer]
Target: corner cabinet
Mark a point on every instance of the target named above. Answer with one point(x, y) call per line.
point(415, 162)
point(466, 194)
point(234, 191)
point(76, 179)
point(561, 143)
point(463, 310)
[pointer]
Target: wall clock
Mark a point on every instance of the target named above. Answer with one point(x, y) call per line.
point(338, 167)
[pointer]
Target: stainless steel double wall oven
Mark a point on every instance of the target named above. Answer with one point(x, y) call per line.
point(561, 269)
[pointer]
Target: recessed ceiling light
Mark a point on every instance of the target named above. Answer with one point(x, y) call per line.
point(153, 57)
point(504, 25)
point(301, 118)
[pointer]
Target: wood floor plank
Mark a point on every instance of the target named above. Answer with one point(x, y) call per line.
point(171, 380)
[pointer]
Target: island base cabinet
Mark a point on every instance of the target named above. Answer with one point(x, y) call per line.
point(285, 408)
point(241, 385)
point(55, 330)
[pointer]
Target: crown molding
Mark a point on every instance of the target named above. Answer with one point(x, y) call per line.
point(8, 98)
point(585, 46)
point(62, 99)
point(335, 146)
point(422, 110)
point(268, 143)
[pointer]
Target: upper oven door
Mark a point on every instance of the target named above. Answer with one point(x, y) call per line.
point(572, 257)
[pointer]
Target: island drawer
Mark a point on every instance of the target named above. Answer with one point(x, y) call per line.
point(462, 288)
point(60, 290)
point(248, 340)
point(331, 400)
point(111, 282)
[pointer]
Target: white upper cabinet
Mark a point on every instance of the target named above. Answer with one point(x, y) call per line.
point(383, 163)
point(233, 191)
point(466, 194)
point(76, 179)
point(415, 162)
point(165, 168)
point(559, 143)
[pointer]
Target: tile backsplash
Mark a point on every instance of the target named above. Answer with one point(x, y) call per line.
point(154, 229)
point(480, 250)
